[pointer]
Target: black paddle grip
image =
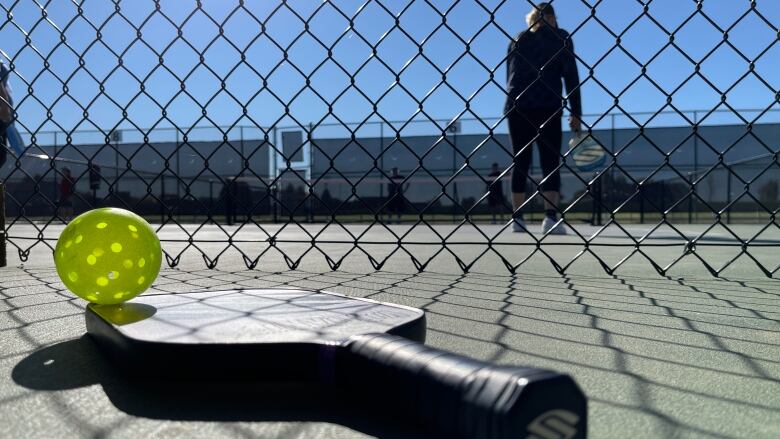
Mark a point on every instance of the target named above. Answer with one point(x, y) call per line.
point(454, 396)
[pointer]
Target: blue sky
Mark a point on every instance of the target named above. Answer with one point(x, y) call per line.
point(123, 103)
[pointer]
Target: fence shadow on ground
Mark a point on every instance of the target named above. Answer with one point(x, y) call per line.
point(674, 354)
point(653, 347)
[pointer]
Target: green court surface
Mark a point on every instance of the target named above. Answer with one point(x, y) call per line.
point(681, 355)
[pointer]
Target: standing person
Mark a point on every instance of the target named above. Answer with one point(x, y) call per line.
point(229, 195)
point(6, 113)
point(8, 132)
point(395, 195)
point(66, 190)
point(496, 193)
point(538, 59)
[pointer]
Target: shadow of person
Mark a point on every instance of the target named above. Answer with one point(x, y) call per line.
point(79, 363)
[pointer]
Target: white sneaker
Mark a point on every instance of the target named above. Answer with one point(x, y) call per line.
point(518, 225)
point(549, 225)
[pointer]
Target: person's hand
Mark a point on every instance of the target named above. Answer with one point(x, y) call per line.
point(575, 124)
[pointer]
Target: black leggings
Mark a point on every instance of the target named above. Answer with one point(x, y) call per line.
point(524, 125)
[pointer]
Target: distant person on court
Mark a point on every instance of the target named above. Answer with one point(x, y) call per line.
point(6, 113)
point(395, 196)
point(66, 191)
point(538, 59)
point(496, 193)
point(9, 135)
point(229, 196)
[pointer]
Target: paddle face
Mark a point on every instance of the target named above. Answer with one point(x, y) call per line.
point(588, 154)
point(291, 334)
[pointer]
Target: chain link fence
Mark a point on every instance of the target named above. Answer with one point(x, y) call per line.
point(375, 126)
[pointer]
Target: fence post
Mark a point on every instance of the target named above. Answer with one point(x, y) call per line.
point(53, 164)
point(379, 211)
point(696, 154)
point(241, 131)
point(455, 201)
point(273, 176)
point(381, 158)
point(593, 190)
point(178, 168)
point(211, 199)
point(116, 170)
point(612, 171)
point(691, 179)
point(308, 177)
point(728, 198)
point(597, 202)
point(162, 199)
point(3, 235)
point(663, 196)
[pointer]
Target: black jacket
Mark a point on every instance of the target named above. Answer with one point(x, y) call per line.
point(536, 62)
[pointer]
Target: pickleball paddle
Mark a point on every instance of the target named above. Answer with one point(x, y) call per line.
point(587, 153)
point(372, 350)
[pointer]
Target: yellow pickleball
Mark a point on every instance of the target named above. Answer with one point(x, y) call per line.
point(108, 255)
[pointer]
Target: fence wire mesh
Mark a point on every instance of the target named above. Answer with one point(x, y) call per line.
point(340, 128)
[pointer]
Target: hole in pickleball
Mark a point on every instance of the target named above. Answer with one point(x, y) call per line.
point(91, 259)
point(92, 298)
point(135, 235)
point(127, 263)
point(79, 238)
point(132, 228)
point(118, 295)
point(102, 281)
point(68, 244)
point(101, 225)
point(141, 262)
point(48, 362)
point(116, 247)
point(73, 276)
point(141, 280)
point(113, 275)
point(98, 252)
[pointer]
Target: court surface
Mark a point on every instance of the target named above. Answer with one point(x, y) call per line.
point(682, 355)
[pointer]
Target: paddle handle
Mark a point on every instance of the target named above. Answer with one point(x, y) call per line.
point(456, 396)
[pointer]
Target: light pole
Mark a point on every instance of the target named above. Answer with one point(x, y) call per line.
point(454, 128)
point(116, 137)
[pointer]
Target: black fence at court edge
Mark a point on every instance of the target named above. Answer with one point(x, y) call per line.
point(279, 127)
